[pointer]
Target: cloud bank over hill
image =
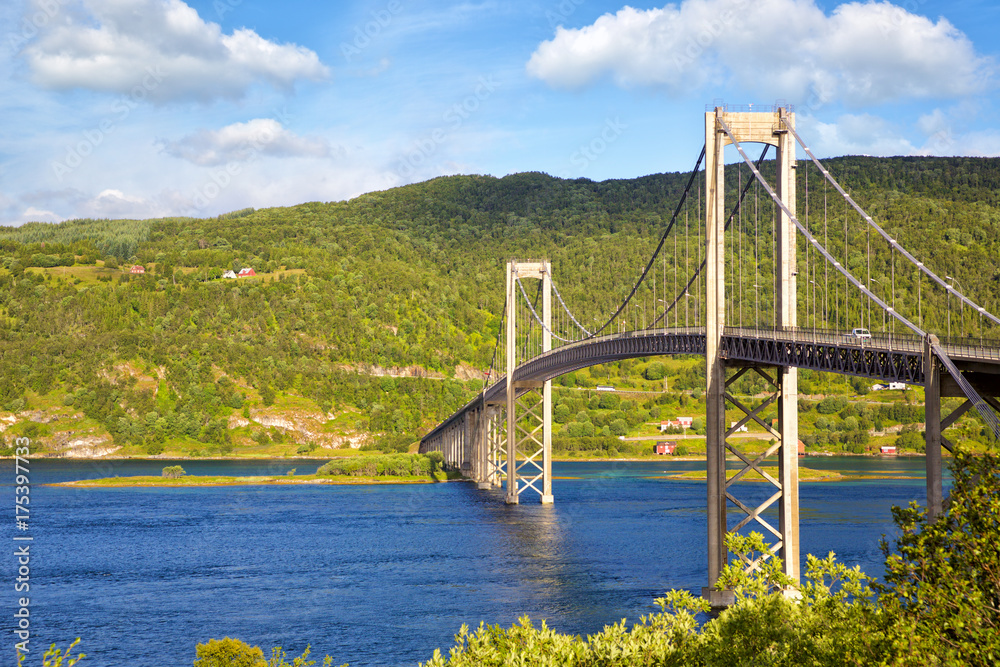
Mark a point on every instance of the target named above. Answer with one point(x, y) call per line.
point(861, 54)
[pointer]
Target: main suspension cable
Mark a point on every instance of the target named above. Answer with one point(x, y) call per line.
point(704, 263)
point(535, 313)
point(970, 392)
point(663, 239)
point(892, 242)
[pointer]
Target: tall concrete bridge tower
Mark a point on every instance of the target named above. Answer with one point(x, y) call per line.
point(748, 126)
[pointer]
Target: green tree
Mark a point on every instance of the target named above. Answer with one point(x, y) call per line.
point(831, 405)
point(609, 401)
point(655, 371)
point(267, 395)
point(618, 427)
point(911, 440)
point(942, 582)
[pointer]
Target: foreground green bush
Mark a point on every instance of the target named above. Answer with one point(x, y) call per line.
point(939, 605)
point(54, 657)
point(832, 623)
point(235, 653)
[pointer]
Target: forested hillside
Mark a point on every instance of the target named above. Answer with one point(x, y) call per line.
point(406, 282)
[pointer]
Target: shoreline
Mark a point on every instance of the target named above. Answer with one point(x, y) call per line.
point(563, 459)
point(806, 475)
point(151, 481)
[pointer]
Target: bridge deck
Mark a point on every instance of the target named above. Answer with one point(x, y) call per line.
point(884, 358)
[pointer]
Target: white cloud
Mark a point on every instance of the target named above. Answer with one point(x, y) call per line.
point(938, 133)
point(950, 132)
point(69, 203)
point(933, 122)
point(113, 203)
point(245, 141)
point(162, 47)
point(382, 65)
point(854, 134)
point(265, 183)
point(32, 214)
point(861, 53)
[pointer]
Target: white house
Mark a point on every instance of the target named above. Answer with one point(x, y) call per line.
point(680, 422)
point(892, 385)
point(229, 274)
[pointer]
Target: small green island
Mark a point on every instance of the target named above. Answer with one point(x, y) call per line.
point(805, 475)
point(385, 469)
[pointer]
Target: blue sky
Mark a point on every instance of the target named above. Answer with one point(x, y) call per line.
point(144, 108)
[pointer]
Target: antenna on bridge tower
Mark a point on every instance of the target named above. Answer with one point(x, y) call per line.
point(724, 125)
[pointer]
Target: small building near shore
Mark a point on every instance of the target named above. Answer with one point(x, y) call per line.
point(888, 449)
point(665, 447)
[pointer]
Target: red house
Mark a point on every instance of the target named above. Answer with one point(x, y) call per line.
point(888, 449)
point(666, 447)
point(246, 273)
point(138, 269)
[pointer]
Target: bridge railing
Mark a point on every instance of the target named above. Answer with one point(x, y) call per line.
point(971, 348)
point(563, 348)
point(839, 337)
point(960, 347)
point(635, 333)
point(497, 386)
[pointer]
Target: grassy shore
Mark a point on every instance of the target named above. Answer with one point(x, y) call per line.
point(805, 475)
point(258, 480)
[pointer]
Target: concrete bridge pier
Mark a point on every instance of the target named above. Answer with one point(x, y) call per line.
point(483, 463)
point(932, 427)
point(496, 457)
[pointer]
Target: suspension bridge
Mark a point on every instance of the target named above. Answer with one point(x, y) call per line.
point(729, 291)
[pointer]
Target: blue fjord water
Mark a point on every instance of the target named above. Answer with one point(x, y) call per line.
point(381, 575)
